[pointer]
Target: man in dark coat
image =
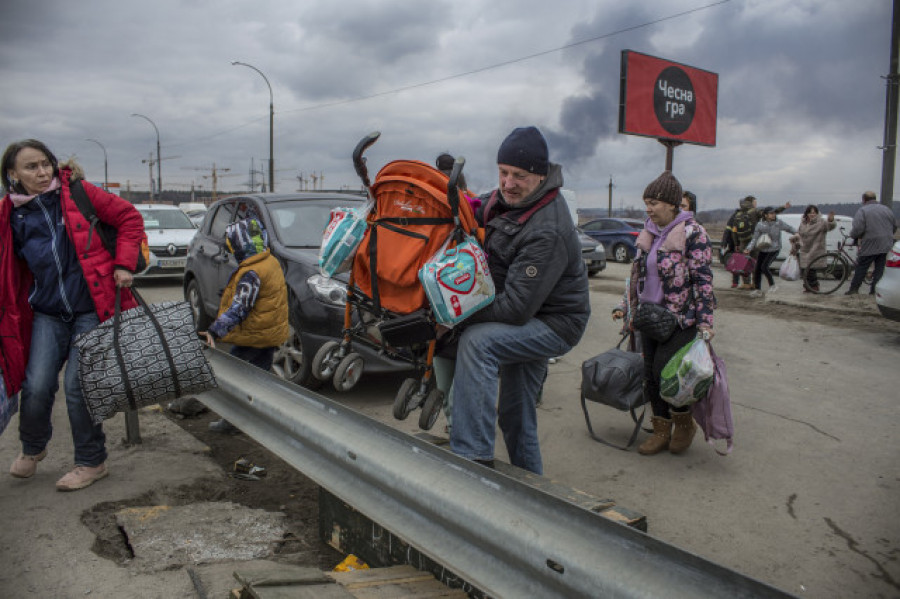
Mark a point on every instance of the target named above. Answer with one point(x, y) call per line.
point(540, 310)
point(873, 230)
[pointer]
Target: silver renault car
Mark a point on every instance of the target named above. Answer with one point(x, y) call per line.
point(169, 231)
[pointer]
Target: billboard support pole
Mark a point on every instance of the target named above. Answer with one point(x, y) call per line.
point(670, 144)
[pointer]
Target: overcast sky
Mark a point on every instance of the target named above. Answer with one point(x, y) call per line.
point(800, 110)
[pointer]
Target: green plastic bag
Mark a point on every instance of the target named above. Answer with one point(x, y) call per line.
point(688, 375)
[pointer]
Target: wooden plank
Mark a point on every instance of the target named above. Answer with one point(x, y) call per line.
point(280, 575)
point(305, 591)
point(376, 576)
point(395, 581)
point(418, 590)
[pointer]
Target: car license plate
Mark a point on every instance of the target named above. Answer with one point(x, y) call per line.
point(172, 263)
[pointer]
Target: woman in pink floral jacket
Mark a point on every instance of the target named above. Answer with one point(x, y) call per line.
point(671, 270)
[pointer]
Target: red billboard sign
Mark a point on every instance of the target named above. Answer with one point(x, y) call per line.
point(667, 100)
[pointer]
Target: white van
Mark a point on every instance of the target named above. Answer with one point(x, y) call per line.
point(831, 240)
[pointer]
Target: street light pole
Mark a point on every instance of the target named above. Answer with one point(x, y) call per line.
point(105, 165)
point(271, 124)
point(158, 157)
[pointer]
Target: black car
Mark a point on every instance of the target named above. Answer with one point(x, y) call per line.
point(593, 253)
point(295, 223)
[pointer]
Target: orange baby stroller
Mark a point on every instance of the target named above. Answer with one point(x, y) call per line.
point(416, 209)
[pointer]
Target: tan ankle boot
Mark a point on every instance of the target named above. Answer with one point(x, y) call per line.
point(683, 431)
point(662, 432)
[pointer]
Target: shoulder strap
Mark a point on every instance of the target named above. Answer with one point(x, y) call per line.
point(86, 207)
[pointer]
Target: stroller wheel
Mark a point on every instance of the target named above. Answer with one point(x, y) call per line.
point(326, 360)
point(402, 400)
point(348, 372)
point(430, 410)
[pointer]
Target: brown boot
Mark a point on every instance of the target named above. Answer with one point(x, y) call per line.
point(682, 432)
point(662, 432)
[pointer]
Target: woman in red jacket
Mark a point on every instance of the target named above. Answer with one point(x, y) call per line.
point(56, 282)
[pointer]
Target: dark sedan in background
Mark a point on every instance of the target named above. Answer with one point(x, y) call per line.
point(618, 236)
point(593, 253)
point(295, 223)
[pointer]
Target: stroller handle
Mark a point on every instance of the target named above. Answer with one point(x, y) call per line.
point(453, 189)
point(359, 163)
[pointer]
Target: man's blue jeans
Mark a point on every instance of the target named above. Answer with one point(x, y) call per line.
point(51, 346)
point(513, 358)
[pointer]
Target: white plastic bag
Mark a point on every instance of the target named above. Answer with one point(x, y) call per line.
point(340, 239)
point(688, 375)
point(790, 270)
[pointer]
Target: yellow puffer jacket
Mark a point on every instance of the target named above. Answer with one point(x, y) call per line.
point(267, 323)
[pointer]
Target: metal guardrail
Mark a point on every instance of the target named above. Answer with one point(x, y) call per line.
point(503, 536)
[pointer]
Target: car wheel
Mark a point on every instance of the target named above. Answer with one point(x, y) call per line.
point(348, 372)
point(430, 410)
point(620, 252)
point(195, 301)
point(291, 362)
point(593, 271)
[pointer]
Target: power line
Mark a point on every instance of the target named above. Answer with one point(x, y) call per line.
point(466, 73)
point(508, 62)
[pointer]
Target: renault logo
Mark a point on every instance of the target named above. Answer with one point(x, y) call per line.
point(171, 249)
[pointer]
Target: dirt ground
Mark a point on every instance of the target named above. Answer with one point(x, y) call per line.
point(287, 490)
point(281, 489)
point(805, 502)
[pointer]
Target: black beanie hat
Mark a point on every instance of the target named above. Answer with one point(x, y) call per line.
point(445, 162)
point(665, 188)
point(525, 148)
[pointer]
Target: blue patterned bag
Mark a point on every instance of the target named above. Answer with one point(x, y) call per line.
point(457, 282)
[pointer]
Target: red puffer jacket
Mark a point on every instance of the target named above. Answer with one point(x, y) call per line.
point(96, 263)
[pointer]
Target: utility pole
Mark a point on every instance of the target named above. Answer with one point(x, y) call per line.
point(609, 209)
point(151, 162)
point(159, 158)
point(105, 165)
point(889, 148)
point(271, 124)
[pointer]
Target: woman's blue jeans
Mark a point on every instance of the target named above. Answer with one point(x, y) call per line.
point(510, 358)
point(51, 347)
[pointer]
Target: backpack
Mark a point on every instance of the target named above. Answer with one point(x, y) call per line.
point(107, 233)
point(410, 221)
point(743, 225)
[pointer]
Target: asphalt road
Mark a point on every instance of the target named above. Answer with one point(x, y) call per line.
point(808, 499)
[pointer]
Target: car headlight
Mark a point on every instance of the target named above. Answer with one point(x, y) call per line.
point(328, 290)
point(599, 249)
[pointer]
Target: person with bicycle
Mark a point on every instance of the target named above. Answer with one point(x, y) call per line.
point(873, 231)
point(811, 236)
point(769, 227)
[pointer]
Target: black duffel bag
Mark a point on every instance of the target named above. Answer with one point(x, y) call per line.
point(140, 357)
point(614, 378)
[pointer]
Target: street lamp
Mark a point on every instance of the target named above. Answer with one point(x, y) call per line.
point(158, 157)
point(105, 165)
point(271, 124)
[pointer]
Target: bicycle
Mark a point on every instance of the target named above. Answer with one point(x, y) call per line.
point(832, 268)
